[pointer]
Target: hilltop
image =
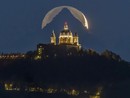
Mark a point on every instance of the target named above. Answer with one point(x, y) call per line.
point(83, 67)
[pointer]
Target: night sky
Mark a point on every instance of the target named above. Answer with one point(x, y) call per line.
point(109, 24)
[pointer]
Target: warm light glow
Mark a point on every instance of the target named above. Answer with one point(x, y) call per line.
point(12, 56)
point(37, 57)
point(53, 38)
point(72, 92)
point(8, 86)
point(94, 96)
point(98, 93)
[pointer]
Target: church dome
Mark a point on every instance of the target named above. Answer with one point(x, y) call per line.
point(66, 36)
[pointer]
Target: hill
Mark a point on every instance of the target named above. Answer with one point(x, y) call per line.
point(82, 68)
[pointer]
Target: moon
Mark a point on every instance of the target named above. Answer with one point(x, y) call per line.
point(86, 22)
point(49, 17)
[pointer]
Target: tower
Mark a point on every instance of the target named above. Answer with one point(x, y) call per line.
point(40, 50)
point(53, 38)
point(76, 39)
point(66, 36)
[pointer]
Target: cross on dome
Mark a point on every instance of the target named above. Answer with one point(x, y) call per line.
point(66, 26)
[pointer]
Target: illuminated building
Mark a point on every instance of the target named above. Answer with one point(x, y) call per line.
point(68, 44)
point(13, 56)
point(66, 36)
point(11, 87)
point(53, 38)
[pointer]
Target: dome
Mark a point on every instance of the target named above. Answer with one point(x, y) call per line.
point(66, 32)
point(66, 36)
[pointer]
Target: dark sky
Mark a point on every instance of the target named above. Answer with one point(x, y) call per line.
point(109, 22)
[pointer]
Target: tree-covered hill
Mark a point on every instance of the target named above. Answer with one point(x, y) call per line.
point(84, 67)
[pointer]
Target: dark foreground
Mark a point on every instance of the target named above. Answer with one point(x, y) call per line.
point(119, 90)
point(36, 95)
point(88, 71)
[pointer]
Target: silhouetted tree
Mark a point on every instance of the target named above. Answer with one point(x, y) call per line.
point(110, 55)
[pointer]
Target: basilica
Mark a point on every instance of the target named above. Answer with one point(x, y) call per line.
point(67, 44)
point(66, 37)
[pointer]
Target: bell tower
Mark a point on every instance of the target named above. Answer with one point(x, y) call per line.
point(53, 38)
point(76, 39)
